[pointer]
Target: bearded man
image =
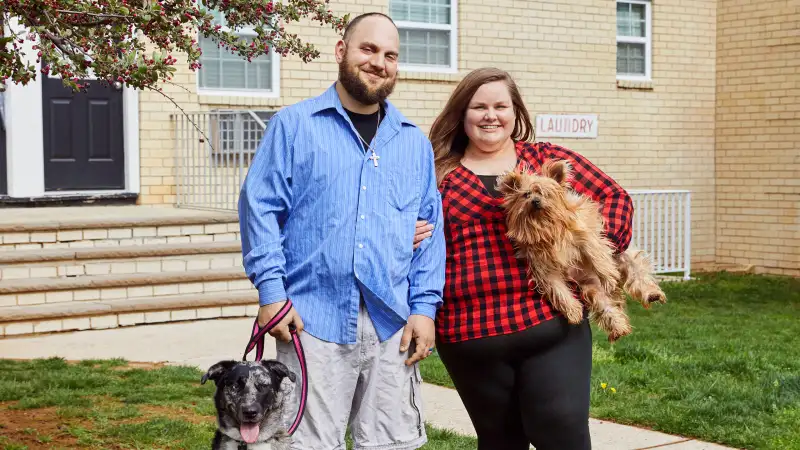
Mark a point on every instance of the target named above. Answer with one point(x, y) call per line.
point(327, 214)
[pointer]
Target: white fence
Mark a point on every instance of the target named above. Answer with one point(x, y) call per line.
point(213, 151)
point(662, 228)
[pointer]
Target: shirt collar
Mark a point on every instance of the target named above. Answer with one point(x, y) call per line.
point(330, 100)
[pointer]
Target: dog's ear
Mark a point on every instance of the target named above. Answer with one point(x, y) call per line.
point(558, 170)
point(217, 371)
point(279, 369)
point(509, 182)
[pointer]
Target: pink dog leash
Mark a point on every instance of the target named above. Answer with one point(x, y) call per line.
point(257, 341)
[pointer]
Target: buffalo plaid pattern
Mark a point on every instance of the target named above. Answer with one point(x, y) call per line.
point(487, 291)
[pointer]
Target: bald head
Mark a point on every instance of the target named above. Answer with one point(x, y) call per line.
point(354, 24)
point(368, 55)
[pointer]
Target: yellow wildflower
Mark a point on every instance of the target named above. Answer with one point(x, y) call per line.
point(613, 390)
point(603, 385)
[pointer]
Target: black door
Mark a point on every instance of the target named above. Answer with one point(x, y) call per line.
point(83, 137)
point(3, 164)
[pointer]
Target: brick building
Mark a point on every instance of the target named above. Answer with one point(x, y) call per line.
point(700, 95)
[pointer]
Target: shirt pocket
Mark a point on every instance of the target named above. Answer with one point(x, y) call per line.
point(400, 205)
point(404, 191)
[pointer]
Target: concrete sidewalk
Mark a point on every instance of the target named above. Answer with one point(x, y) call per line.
point(203, 343)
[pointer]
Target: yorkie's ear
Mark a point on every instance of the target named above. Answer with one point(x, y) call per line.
point(559, 170)
point(509, 182)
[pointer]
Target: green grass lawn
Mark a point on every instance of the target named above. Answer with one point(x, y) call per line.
point(108, 404)
point(719, 362)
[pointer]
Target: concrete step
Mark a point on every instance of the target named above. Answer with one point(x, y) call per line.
point(59, 263)
point(120, 231)
point(76, 268)
point(34, 291)
point(103, 314)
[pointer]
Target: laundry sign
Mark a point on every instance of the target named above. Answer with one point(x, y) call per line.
point(579, 126)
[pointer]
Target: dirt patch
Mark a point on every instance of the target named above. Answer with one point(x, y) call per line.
point(141, 365)
point(187, 415)
point(43, 428)
point(185, 412)
point(37, 428)
point(126, 366)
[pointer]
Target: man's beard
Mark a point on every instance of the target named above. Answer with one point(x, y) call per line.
point(360, 90)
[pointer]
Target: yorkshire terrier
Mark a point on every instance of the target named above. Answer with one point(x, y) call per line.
point(561, 235)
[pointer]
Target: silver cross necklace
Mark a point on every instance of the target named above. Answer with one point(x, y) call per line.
point(374, 156)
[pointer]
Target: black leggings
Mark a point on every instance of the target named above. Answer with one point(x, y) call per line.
point(529, 387)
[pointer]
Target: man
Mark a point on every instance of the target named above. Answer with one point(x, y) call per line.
point(327, 214)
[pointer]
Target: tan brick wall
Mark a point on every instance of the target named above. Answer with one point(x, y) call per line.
point(758, 134)
point(659, 137)
point(563, 55)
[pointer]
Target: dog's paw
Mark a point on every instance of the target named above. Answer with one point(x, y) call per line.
point(573, 311)
point(614, 323)
point(656, 297)
point(619, 331)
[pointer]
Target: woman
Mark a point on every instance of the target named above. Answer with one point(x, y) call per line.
point(521, 370)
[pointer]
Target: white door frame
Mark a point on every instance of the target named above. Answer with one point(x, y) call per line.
point(25, 137)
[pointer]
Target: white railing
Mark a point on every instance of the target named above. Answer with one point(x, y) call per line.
point(213, 151)
point(662, 227)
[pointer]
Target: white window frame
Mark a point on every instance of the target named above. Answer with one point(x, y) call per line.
point(233, 121)
point(647, 41)
point(273, 92)
point(452, 28)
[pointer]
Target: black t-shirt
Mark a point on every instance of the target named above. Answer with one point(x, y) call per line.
point(366, 124)
point(490, 181)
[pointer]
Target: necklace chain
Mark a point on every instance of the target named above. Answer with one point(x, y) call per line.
point(374, 156)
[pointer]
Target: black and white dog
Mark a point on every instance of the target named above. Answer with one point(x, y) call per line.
point(250, 400)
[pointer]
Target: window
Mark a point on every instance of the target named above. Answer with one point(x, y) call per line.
point(427, 34)
point(224, 73)
point(634, 32)
point(237, 132)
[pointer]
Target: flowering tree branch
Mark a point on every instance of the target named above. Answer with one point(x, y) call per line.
point(109, 39)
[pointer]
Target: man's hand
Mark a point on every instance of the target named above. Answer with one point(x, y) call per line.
point(423, 231)
point(281, 331)
point(422, 330)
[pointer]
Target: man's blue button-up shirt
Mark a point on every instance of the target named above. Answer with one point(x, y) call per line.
point(321, 224)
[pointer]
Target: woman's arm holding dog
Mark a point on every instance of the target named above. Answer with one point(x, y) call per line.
point(587, 179)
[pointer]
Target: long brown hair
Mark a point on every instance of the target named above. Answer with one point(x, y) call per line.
point(447, 134)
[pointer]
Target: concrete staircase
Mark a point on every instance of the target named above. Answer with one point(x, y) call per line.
point(107, 267)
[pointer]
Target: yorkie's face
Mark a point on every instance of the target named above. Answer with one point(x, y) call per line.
point(533, 194)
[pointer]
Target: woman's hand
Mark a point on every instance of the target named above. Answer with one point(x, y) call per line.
point(423, 231)
point(575, 274)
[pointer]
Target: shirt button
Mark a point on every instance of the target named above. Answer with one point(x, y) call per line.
point(362, 217)
point(360, 245)
point(363, 188)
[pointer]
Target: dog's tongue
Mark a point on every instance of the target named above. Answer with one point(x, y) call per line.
point(249, 432)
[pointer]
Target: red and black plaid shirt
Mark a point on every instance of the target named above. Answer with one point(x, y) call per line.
point(486, 289)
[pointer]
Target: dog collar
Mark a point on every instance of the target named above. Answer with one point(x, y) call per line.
point(257, 445)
